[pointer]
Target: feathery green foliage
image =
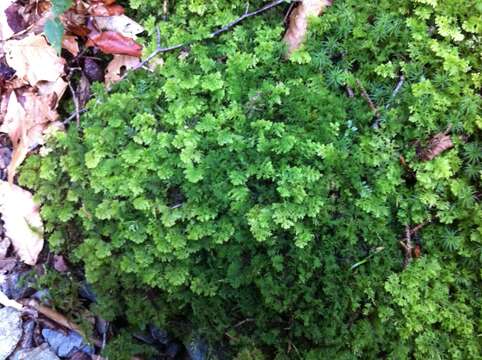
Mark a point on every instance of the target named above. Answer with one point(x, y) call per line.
point(233, 184)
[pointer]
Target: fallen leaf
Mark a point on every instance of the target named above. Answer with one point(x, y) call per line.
point(298, 21)
point(69, 43)
point(5, 30)
point(118, 67)
point(121, 24)
point(438, 144)
point(52, 91)
point(100, 9)
point(111, 42)
point(22, 221)
point(25, 124)
point(34, 59)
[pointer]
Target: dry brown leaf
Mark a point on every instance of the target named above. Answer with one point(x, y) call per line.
point(34, 59)
point(121, 24)
point(111, 42)
point(5, 29)
point(25, 124)
point(69, 43)
point(23, 224)
point(118, 66)
point(52, 91)
point(298, 21)
point(438, 144)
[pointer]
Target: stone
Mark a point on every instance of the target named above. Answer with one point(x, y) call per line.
point(65, 345)
point(10, 331)
point(39, 353)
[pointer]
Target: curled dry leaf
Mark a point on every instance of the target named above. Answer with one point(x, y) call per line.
point(34, 59)
point(111, 42)
point(69, 43)
point(118, 67)
point(438, 144)
point(23, 224)
point(298, 21)
point(121, 24)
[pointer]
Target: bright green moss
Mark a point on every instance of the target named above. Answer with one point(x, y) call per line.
point(233, 184)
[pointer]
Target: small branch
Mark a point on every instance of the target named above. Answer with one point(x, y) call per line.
point(407, 244)
point(365, 95)
point(165, 10)
point(395, 92)
point(76, 103)
point(73, 115)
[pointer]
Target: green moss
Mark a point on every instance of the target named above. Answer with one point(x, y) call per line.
point(233, 184)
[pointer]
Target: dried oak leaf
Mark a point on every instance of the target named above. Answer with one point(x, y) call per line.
point(111, 42)
point(23, 224)
point(121, 24)
point(34, 59)
point(438, 144)
point(118, 67)
point(298, 21)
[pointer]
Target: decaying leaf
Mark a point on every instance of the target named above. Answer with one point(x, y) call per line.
point(34, 59)
point(23, 224)
point(121, 24)
point(111, 42)
point(298, 21)
point(118, 66)
point(438, 144)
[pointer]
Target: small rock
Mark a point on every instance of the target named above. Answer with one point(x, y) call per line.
point(66, 345)
point(16, 286)
point(39, 353)
point(10, 330)
point(197, 349)
point(27, 338)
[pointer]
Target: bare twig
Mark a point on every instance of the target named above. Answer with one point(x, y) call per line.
point(76, 103)
point(365, 95)
point(395, 92)
point(407, 244)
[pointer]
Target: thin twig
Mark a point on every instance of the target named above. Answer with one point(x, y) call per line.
point(407, 246)
point(398, 87)
point(76, 103)
point(395, 92)
point(365, 95)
